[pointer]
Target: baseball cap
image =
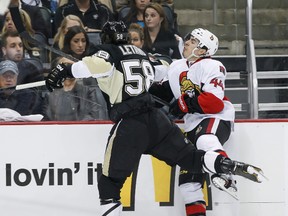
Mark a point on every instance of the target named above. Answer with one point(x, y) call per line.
point(8, 65)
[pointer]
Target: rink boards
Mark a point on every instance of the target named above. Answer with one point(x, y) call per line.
point(52, 170)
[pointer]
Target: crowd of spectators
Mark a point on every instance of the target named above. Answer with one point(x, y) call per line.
point(71, 27)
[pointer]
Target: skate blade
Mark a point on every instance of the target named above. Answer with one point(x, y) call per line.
point(257, 172)
point(219, 183)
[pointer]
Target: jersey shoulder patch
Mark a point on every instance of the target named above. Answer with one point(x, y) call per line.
point(102, 54)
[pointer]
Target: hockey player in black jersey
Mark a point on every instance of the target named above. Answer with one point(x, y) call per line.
point(125, 74)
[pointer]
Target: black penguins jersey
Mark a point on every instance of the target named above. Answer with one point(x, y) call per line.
point(122, 71)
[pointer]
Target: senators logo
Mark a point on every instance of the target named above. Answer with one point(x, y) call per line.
point(187, 86)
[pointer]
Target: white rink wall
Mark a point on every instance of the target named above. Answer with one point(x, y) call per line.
point(51, 170)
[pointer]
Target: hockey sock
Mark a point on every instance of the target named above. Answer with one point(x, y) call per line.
point(196, 208)
point(111, 207)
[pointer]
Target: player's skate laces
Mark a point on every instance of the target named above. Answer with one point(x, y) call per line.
point(226, 183)
point(245, 170)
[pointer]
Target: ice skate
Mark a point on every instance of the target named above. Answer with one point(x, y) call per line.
point(248, 171)
point(226, 183)
point(245, 170)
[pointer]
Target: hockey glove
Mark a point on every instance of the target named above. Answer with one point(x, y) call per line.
point(180, 106)
point(57, 75)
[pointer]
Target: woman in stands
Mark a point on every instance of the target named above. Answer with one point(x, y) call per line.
point(75, 102)
point(136, 35)
point(135, 13)
point(76, 42)
point(157, 37)
point(67, 22)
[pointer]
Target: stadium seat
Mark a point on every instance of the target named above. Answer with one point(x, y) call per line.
point(43, 52)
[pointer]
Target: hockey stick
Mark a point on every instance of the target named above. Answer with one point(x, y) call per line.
point(25, 86)
point(30, 85)
point(16, 17)
point(42, 83)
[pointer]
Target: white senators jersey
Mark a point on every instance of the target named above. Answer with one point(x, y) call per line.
point(205, 75)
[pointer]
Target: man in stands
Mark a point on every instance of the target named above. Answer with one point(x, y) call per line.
point(25, 101)
point(12, 48)
point(92, 14)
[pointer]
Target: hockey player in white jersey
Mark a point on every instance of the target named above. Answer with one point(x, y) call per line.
point(198, 83)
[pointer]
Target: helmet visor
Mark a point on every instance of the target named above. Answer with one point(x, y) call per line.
point(189, 36)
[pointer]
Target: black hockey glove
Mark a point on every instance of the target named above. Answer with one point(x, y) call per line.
point(57, 75)
point(180, 106)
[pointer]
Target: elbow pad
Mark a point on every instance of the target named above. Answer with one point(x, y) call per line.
point(209, 103)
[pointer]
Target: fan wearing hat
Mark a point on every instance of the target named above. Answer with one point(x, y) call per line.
point(8, 74)
point(25, 101)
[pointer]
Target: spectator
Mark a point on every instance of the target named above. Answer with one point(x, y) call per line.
point(32, 2)
point(136, 35)
point(136, 38)
point(74, 47)
point(67, 22)
point(75, 101)
point(23, 101)
point(108, 3)
point(30, 49)
point(92, 14)
point(136, 12)
point(31, 7)
point(38, 21)
point(76, 42)
point(157, 37)
point(12, 48)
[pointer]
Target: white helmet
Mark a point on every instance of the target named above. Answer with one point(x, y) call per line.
point(207, 40)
